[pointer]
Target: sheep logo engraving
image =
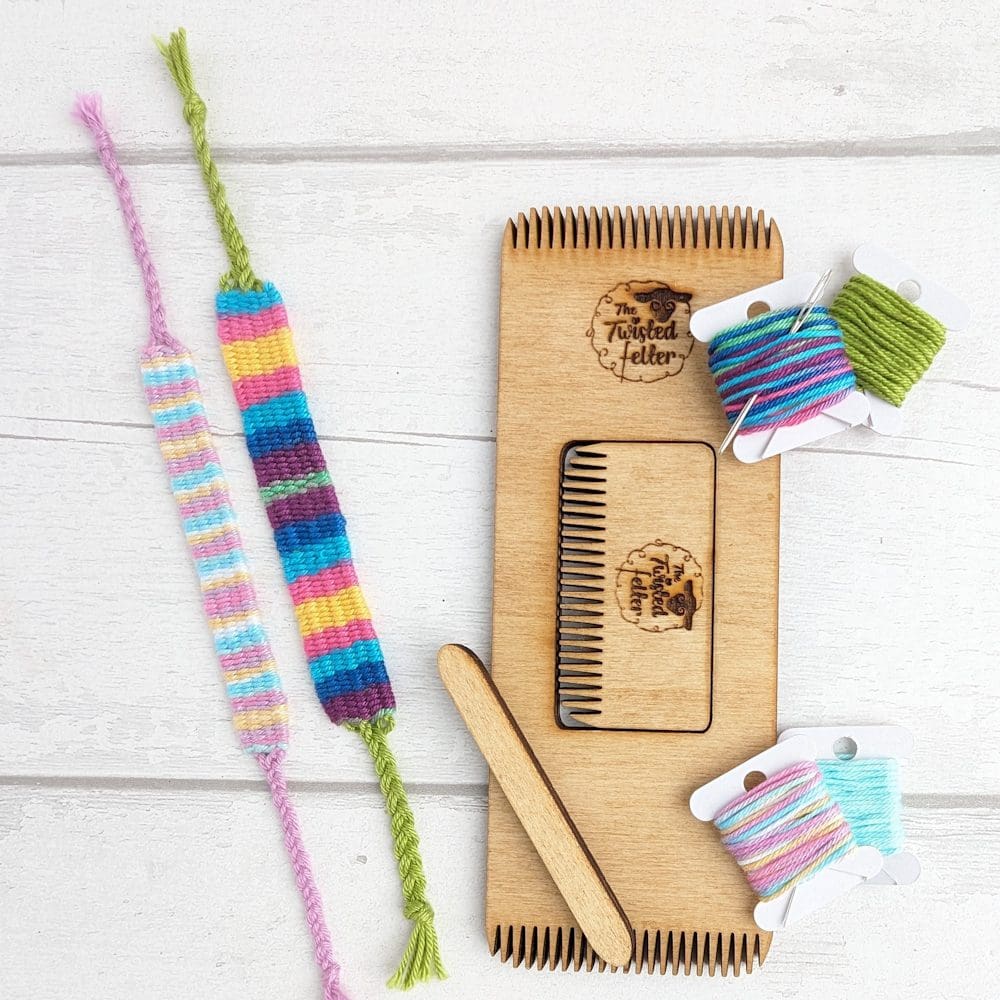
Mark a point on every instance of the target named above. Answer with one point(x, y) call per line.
point(660, 587)
point(641, 331)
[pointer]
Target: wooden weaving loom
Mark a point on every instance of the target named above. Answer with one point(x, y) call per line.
point(636, 578)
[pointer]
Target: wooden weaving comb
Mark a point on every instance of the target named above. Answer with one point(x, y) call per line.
point(635, 580)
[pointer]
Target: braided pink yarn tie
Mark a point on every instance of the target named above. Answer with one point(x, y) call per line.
point(198, 482)
point(88, 110)
point(272, 764)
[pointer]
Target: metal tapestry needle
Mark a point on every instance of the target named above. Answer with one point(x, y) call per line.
point(807, 307)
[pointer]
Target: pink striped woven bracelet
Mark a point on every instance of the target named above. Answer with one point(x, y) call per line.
point(259, 706)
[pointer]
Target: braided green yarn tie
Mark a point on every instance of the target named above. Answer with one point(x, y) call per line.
point(241, 275)
point(890, 341)
point(422, 958)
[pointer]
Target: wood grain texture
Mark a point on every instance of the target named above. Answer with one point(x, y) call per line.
point(444, 78)
point(530, 794)
point(571, 370)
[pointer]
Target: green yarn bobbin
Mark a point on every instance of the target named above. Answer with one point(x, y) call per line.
point(890, 341)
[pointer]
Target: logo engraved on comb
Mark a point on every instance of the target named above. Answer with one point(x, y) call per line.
point(659, 587)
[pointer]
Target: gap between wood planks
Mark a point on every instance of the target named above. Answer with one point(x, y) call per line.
point(979, 142)
point(363, 789)
point(394, 438)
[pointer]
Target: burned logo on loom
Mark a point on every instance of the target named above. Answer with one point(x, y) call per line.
point(660, 587)
point(641, 330)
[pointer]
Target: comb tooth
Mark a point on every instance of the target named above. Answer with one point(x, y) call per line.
point(495, 940)
point(579, 701)
point(760, 231)
point(562, 942)
point(677, 233)
point(522, 231)
point(580, 240)
point(549, 231)
point(761, 948)
point(714, 230)
point(510, 235)
point(688, 232)
point(700, 234)
point(618, 229)
point(534, 230)
point(774, 241)
point(748, 225)
point(714, 964)
point(593, 228)
point(726, 227)
point(630, 228)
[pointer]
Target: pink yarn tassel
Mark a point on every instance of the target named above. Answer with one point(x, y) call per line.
point(272, 765)
point(88, 110)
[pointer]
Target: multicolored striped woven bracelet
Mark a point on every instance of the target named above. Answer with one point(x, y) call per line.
point(260, 709)
point(343, 651)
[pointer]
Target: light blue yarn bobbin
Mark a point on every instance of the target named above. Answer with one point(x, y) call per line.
point(869, 796)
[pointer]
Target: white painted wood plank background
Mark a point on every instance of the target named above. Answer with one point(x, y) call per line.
point(373, 152)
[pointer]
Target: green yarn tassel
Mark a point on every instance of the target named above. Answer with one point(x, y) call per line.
point(422, 958)
point(241, 275)
point(890, 341)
